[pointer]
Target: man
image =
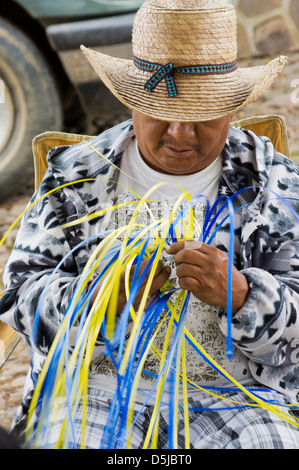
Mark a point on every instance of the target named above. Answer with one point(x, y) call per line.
point(183, 86)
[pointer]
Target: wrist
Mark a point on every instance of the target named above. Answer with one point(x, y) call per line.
point(240, 293)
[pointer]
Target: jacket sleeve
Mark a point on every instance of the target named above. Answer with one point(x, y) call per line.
point(266, 328)
point(44, 267)
point(46, 264)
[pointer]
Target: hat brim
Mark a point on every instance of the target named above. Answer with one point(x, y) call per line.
point(200, 98)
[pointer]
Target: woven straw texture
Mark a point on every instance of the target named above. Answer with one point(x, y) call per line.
point(185, 33)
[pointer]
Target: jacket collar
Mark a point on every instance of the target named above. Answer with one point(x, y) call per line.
point(93, 164)
point(247, 160)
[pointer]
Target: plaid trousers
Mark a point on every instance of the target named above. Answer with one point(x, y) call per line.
point(213, 423)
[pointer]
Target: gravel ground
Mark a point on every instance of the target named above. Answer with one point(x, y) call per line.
point(278, 100)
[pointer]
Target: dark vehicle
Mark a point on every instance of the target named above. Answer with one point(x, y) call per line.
point(45, 81)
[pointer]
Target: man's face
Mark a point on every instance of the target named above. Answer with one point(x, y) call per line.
point(180, 148)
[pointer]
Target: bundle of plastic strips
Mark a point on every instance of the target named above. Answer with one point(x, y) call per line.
point(129, 338)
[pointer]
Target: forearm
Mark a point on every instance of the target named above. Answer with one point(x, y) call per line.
point(40, 302)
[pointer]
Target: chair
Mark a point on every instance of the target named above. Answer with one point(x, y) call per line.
point(43, 143)
point(272, 126)
point(8, 341)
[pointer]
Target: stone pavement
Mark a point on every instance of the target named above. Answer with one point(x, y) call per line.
point(267, 26)
point(13, 373)
point(282, 98)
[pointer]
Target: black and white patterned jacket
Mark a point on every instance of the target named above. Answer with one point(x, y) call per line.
point(266, 329)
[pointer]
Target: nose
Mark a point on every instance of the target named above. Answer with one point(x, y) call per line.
point(181, 130)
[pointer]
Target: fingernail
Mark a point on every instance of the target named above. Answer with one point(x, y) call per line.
point(168, 269)
point(192, 244)
point(168, 249)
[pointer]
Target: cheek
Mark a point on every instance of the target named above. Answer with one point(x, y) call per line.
point(148, 146)
point(215, 139)
point(148, 134)
point(154, 135)
point(150, 143)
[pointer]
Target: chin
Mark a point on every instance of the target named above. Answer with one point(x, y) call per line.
point(182, 170)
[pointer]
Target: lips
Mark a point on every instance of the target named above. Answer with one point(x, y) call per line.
point(178, 152)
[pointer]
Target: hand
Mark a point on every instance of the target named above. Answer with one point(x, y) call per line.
point(202, 270)
point(161, 275)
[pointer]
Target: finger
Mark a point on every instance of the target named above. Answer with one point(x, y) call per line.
point(158, 271)
point(189, 270)
point(157, 282)
point(160, 280)
point(203, 255)
point(191, 284)
point(143, 265)
point(192, 257)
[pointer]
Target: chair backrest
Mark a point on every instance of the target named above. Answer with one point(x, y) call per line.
point(8, 341)
point(44, 142)
point(271, 126)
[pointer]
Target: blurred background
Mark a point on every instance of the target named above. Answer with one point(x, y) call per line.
point(47, 84)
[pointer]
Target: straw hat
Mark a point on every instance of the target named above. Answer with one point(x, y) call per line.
point(184, 65)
